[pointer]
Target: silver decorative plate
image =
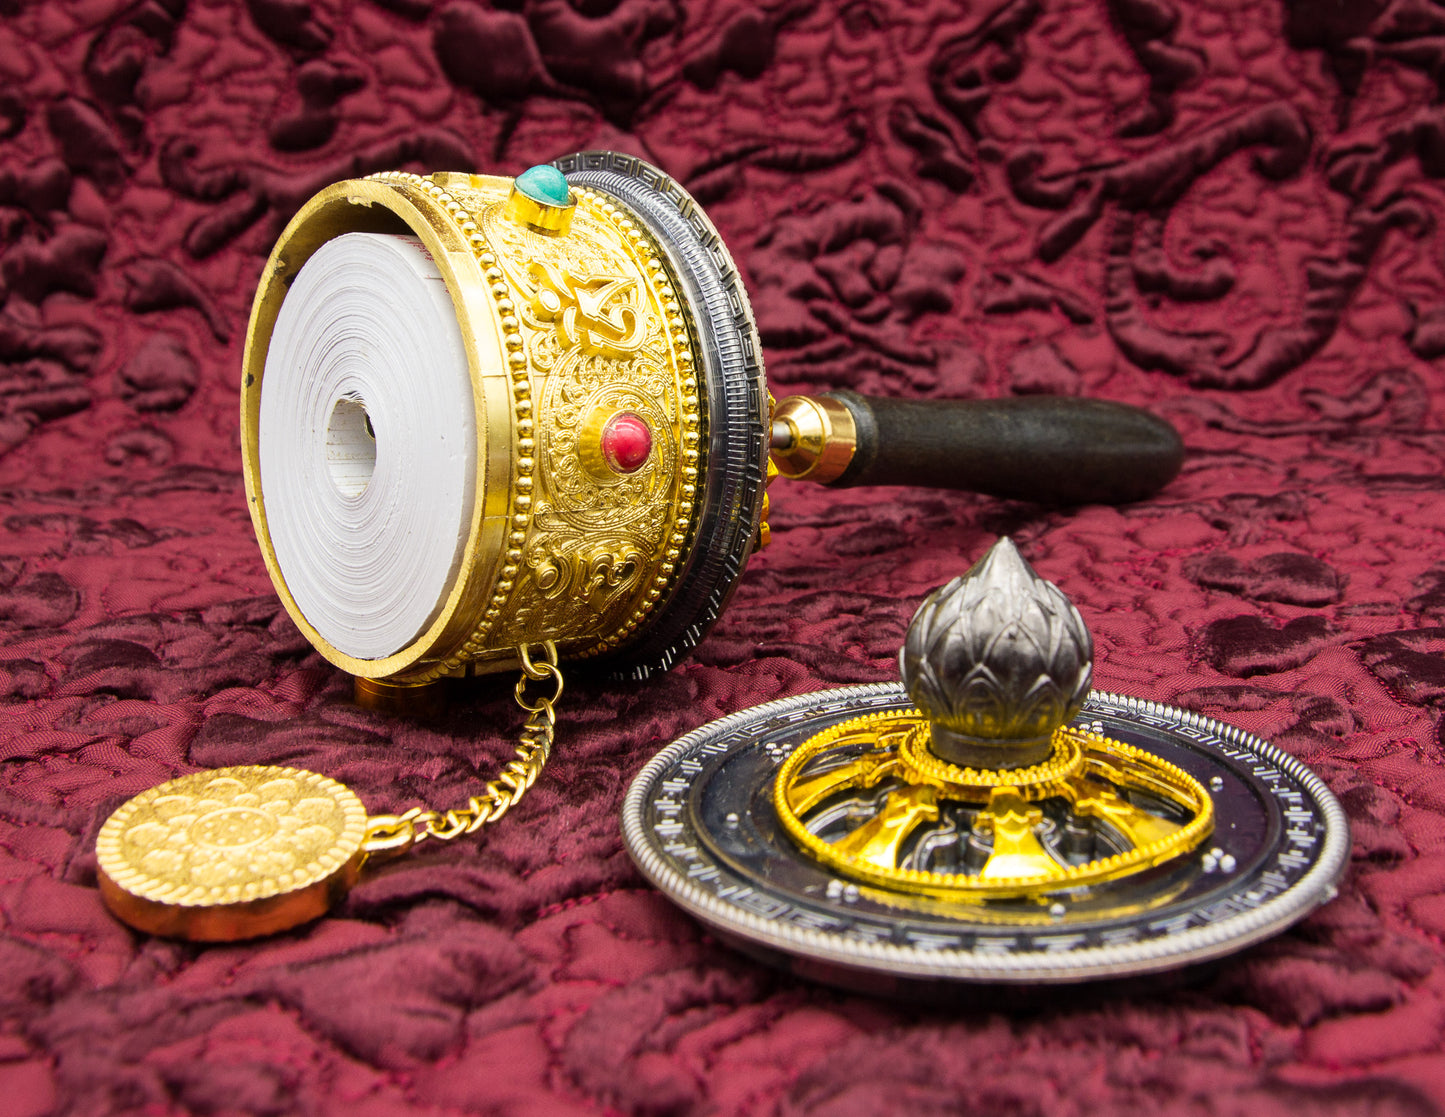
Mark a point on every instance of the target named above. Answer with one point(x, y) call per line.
point(699, 822)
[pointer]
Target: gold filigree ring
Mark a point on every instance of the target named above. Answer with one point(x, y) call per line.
point(874, 746)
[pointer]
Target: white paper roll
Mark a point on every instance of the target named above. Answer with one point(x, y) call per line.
point(368, 442)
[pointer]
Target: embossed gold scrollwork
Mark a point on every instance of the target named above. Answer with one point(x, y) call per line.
point(589, 311)
point(577, 498)
point(593, 574)
point(603, 330)
point(574, 583)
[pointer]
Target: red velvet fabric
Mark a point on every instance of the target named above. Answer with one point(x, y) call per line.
point(1225, 210)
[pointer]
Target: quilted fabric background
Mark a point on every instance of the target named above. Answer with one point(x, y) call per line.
point(1226, 210)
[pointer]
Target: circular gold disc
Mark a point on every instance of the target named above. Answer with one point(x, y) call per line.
point(231, 853)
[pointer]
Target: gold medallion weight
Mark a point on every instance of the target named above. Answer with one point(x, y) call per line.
point(236, 853)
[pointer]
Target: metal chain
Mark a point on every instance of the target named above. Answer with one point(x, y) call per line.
point(394, 834)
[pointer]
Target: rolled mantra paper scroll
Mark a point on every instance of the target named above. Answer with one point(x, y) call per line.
point(367, 358)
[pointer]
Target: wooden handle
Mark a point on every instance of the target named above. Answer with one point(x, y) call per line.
point(1053, 450)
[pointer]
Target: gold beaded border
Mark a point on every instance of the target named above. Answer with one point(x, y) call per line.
point(525, 463)
point(946, 886)
point(1034, 782)
point(111, 859)
point(680, 341)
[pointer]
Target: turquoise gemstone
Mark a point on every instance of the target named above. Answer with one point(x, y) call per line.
point(545, 185)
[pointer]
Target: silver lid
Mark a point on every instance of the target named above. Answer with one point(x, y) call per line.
point(698, 823)
point(845, 837)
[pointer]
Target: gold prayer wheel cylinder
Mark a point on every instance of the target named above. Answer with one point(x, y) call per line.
point(597, 415)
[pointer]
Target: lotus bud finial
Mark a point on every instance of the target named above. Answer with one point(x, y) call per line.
point(997, 660)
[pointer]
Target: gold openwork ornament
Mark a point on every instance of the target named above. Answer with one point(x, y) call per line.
point(986, 791)
point(1029, 832)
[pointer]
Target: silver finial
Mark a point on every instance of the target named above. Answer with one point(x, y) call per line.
point(997, 660)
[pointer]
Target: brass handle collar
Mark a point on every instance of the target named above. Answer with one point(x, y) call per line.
point(814, 437)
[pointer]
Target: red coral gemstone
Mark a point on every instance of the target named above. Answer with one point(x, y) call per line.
point(626, 442)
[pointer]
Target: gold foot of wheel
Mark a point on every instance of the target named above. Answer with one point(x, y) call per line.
point(408, 700)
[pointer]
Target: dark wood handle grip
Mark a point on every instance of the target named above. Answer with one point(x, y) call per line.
point(1054, 450)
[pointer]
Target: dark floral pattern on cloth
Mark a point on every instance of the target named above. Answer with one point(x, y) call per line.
point(1228, 211)
point(842, 284)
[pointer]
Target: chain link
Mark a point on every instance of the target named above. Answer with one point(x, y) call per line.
point(394, 834)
